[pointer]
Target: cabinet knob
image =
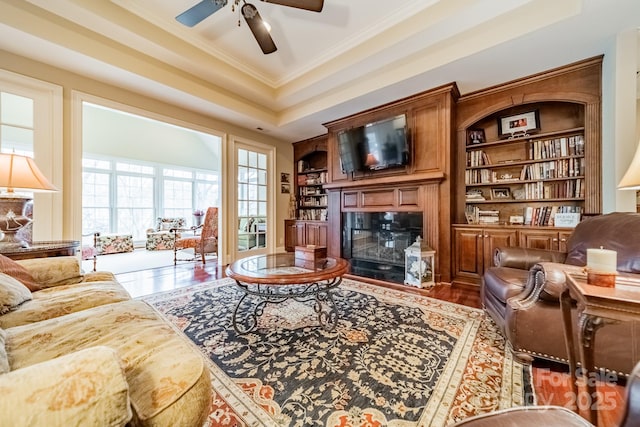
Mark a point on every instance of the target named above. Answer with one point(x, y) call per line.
point(554, 240)
point(486, 235)
point(563, 240)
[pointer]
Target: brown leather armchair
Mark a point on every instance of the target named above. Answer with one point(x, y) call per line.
point(521, 293)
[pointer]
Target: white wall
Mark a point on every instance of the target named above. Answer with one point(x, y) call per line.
point(116, 134)
point(619, 138)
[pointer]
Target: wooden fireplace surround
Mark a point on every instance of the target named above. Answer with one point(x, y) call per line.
point(422, 186)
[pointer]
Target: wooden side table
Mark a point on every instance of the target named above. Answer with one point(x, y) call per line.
point(43, 249)
point(597, 306)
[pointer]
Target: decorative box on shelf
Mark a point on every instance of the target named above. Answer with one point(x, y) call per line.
point(310, 256)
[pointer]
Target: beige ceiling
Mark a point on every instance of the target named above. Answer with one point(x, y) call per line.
point(354, 55)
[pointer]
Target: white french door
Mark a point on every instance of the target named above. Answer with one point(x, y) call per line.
point(254, 195)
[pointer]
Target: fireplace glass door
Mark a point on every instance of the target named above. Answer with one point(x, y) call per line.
point(374, 242)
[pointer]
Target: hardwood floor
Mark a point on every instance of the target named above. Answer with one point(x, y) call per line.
point(550, 380)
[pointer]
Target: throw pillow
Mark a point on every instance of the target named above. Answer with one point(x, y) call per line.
point(15, 270)
point(12, 293)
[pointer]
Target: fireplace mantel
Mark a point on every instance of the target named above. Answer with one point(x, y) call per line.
point(416, 178)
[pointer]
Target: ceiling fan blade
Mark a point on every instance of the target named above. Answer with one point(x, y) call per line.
point(259, 30)
point(200, 11)
point(311, 5)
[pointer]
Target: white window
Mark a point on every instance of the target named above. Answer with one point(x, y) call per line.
point(31, 125)
point(118, 196)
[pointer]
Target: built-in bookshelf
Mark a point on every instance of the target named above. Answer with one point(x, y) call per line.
point(525, 178)
point(309, 226)
point(311, 198)
point(528, 165)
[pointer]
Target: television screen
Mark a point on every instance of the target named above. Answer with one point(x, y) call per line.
point(375, 146)
point(350, 143)
point(385, 144)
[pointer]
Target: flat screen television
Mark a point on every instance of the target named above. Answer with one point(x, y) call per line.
point(350, 145)
point(375, 146)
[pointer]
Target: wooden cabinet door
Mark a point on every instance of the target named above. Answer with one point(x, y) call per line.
point(539, 239)
point(544, 239)
point(290, 235)
point(301, 234)
point(467, 254)
point(492, 239)
point(316, 234)
point(563, 239)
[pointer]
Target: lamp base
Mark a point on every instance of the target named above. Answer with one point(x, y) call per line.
point(12, 219)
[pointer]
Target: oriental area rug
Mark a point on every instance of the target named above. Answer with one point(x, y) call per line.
point(394, 359)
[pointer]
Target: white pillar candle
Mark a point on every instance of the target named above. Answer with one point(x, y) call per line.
point(602, 260)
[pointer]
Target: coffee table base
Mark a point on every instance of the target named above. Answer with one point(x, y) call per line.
point(324, 305)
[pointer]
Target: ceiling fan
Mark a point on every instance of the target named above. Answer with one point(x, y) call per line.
point(258, 27)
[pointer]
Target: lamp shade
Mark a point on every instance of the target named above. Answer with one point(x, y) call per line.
point(21, 173)
point(631, 179)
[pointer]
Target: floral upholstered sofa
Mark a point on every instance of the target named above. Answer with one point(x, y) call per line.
point(75, 349)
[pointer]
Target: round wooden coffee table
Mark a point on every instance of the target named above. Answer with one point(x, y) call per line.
point(275, 278)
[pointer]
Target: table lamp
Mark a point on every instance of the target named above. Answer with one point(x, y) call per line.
point(17, 173)
point(631, 179)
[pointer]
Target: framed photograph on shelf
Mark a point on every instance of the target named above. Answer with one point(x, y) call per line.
point(519, 124)
point(500, 194)
point(475, 136)
point(516, 220)
point(285, 188)
point(284, 177)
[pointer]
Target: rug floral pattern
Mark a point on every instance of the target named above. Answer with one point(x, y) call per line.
point(395, 359)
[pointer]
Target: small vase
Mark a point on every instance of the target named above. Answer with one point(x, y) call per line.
point(197, 220)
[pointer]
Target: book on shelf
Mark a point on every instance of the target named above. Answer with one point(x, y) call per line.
point(546, 215)
point(312, 214)
point(557, 147)
point(477, 158)
point(474, 195)
point(488, 216)
point(552, 215)
point(528, 215)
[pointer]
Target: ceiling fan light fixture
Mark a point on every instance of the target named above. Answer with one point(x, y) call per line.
point(249, 11)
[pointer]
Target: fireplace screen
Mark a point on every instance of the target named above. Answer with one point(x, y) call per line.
point(374, 242)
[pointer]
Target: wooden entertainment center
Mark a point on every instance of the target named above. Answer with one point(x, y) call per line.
point(477, 162)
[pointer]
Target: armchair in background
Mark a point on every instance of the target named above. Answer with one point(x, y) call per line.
point(204, 243)
point(160, 237)
point(251, 233)
point(521, 292)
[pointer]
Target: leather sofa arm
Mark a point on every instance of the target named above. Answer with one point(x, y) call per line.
point(87, 387)
point(546, 281)
point(525, 258)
